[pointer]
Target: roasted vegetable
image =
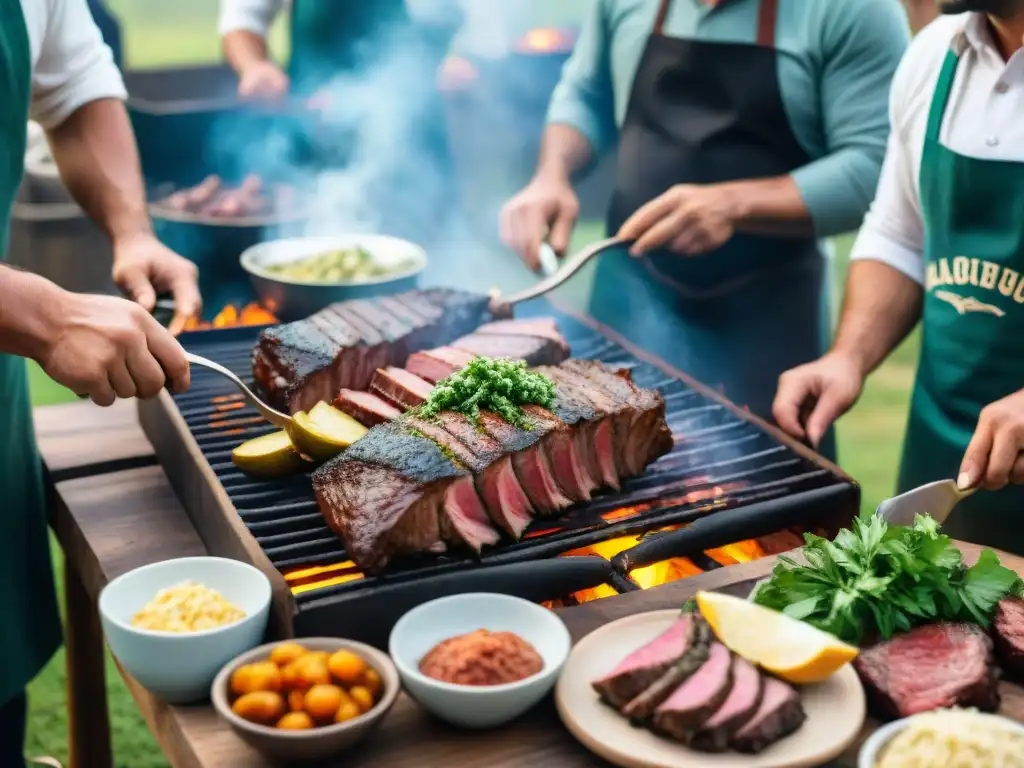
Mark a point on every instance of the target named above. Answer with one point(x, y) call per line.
point(268, 455)
point(325, 431)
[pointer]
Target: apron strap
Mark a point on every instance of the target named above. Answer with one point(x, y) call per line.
point(766, 14)
point(940, 97)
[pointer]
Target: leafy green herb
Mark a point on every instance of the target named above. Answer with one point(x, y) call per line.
point(491, 384)
point(880, 579)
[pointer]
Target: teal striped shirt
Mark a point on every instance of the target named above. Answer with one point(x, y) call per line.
point(836, 60)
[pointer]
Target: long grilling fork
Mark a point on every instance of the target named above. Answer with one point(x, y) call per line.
point(502, 306)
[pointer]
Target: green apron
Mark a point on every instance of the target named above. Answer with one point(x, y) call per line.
point(973, 322)
point(30, 626)
point(332, 37)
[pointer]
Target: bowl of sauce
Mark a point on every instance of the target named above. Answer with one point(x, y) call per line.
point(479, 660)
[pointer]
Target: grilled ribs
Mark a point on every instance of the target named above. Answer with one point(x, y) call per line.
point(413, 486)
point(298, 364)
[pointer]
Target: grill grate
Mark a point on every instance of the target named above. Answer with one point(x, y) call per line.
point(720, 461)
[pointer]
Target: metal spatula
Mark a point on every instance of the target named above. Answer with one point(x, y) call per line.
point(936, 500)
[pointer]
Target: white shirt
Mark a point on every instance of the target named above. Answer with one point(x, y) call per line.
point(258, 15)
point(984, 119)
point(71, 65)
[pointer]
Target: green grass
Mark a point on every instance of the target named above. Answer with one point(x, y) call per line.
point(158, 33)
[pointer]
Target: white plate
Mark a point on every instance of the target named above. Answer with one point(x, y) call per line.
point(835, 710)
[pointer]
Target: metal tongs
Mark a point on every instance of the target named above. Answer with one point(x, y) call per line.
point(502, 306)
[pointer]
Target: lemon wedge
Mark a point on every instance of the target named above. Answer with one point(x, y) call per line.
point(784, 646)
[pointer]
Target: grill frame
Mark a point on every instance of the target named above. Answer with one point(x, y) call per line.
point(531, 571)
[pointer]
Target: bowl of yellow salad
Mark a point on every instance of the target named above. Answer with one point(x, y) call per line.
point(295, 277)
point(173, 625)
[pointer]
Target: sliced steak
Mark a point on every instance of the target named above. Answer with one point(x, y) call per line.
point(1008, 631)
point(299, 364)
point(365, 407)
point(635, 673)
point(931, 667)
point(506, 501)
point(475, 479)
point(541, 328)
point(535, 350)
point(692, 703)
point(430, 366)
point(530, 462)
point(641, 707)
point(400, 388)
point(779, 714)
point(390, 494)
point(738, 708)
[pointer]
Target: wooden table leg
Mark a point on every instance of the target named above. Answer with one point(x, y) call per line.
point(88, 722)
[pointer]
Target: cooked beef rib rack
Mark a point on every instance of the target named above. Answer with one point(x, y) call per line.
point(298, 364)
point(414, 486)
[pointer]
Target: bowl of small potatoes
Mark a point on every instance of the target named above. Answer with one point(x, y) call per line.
point(308, 699)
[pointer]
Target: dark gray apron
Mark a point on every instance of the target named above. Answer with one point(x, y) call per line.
point(701, 113)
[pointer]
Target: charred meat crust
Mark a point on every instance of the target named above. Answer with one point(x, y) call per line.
point(418, 464)
point(297, 364)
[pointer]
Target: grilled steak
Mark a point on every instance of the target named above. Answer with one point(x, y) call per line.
point(642, 706)
point(738, 708)
point(436, 364)
point(299, 364)
point(688, 707)
point(397, 482)
point(400, 388)
point(513, 472)
point(933, 666)
point(643, 667)
point(365, 407)
point(1008, 630)
point(535, 350)
point(779, 714)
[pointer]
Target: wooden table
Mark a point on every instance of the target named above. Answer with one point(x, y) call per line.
point(113, 510)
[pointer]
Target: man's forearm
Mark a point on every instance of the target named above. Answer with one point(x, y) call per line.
point(29, 313)
point(564, 151)
point(98, 161)
point(243, 48)
point(882, 305)
point(772, 206)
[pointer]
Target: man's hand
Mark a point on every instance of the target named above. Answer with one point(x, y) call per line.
point(144, 268)
point(812, 396)
point(688, 219)
point(263, 80)
point(993, 458)
point(545, 208)
point(105, 347)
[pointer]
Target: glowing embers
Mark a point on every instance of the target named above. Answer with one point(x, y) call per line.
point(231, 317)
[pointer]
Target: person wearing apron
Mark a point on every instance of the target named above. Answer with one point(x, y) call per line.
point(355, 61)
point(944, 243)
point(773, 108)
point(55, 68)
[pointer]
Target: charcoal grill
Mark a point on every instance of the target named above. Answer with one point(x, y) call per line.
point(729, 476)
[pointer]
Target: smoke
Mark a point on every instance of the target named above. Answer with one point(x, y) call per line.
point(377, 159)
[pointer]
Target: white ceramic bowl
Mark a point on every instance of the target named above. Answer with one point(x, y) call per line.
point(425, 626)
point(872, 748)
point(291, 299)
point(175, 666)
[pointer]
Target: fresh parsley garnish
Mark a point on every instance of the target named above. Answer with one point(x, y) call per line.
point(877, 579)
point(491, 384)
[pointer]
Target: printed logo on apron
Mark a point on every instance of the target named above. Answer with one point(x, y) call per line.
point(994, 282)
